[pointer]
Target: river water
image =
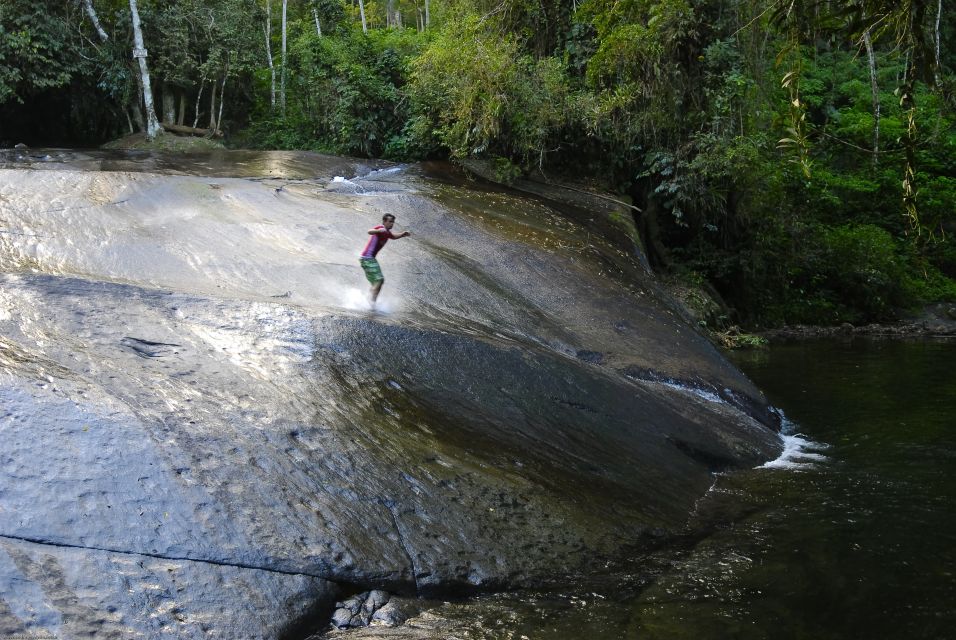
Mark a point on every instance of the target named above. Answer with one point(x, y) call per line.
point(863, 545)
point(853, 538)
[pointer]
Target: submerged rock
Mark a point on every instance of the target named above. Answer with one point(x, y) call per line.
point(521, 408)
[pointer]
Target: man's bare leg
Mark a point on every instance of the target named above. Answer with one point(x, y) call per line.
point(374, 291)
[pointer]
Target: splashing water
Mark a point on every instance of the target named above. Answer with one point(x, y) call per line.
point(357, 300)
point(799, 452)
point(344, 185)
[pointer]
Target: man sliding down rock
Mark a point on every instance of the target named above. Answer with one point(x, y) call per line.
point(380, 235)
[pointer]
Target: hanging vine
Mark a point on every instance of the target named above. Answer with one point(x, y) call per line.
point(797, 140)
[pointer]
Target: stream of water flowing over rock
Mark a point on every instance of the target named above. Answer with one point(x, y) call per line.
point(207, 431)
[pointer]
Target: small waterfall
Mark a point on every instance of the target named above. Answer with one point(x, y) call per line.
point(799, 452)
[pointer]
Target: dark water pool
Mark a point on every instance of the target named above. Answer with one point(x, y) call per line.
point(861, 544)
point(864, 545)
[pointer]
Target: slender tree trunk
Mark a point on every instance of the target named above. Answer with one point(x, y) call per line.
point(874, 88)
point(222, 99)
point(362, 12)
point(139, 52)
point(285, 6)
point(318, 27)
point(390, 13)
point(198, 100)
point(938, 70)
point(222, 95)
point(129, 121)
point(427, 14)
point(99, 29)
point(272, 69)
point(182, 109)
point(212, 108)
point(169, 103)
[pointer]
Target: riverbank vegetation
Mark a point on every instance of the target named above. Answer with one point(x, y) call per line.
point(794, 159)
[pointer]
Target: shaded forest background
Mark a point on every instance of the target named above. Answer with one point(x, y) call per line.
point(796, 160)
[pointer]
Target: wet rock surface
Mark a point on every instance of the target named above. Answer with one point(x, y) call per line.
point(189, 379)
point(52, 591)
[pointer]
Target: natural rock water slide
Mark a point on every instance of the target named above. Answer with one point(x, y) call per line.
point(204, 432)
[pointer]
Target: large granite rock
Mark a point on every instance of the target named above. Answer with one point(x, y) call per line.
point(191, 385)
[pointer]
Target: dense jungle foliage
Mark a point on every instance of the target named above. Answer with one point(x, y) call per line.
point(796, 159)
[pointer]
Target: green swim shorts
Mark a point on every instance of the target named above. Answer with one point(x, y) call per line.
point(372, 271)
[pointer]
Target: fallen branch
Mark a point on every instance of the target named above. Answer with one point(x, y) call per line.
point(190, 131)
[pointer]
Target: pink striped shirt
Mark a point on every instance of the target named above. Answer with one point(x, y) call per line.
point(376, 241)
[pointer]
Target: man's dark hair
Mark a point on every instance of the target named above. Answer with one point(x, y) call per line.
point(387, 216)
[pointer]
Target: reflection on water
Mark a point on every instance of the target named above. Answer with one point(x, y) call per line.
point(861, 544)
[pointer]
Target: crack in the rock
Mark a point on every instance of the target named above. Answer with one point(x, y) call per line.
point(390, 505)
point(158, 556)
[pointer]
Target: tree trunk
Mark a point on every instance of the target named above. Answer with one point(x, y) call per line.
point(212, 107)
point(285, 6)
point(182, 109)
point(272, 69)
point(427, 14)
point(222, 95)
point(876, 96)
point(318, 27)
point(938, 69)
point(362, 11)
point(169, 103)
point(390, 14)
point(648, 227)
point(222, 99)
point(99, 29)
point(198, 100)
point(139, 52)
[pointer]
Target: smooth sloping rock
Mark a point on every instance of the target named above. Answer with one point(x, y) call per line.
point(526, 407)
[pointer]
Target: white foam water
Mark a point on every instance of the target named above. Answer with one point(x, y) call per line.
point(799, 452)
point(704, 394)
point(344, 185)
point(357, 300)
point(379, 173)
